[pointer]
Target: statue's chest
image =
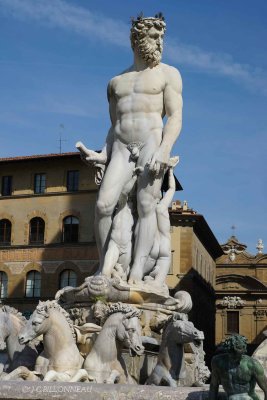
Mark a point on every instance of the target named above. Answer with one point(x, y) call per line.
point(238, 373)
point(145, 82)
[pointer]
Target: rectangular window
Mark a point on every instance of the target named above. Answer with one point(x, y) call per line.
point(6, 185)
point(39, 183)
point(72, 181)
point(232, 322)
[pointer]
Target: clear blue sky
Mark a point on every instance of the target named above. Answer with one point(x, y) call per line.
point(57, 57)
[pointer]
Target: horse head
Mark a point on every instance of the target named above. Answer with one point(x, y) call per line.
point(36, 325)
point(128, 330)
point(131, 330)
point(184, 331)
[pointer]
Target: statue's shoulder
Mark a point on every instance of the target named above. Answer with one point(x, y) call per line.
point(169, 69)
point(219, 360)
point(113, 81)
point(172, 75)
point(253, 363)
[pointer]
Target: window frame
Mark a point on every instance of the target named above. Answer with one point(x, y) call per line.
point(6, 189)
point(5, 229)
point(3, 285)
point(74, 232)
point(39, 187)
point(73, 177)
point(229, 324)
point(69, 279)
point(36, 285)
point(38, 240)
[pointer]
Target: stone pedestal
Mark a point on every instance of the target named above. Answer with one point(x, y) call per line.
point(84, 391)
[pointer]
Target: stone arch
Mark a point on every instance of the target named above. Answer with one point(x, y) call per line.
point(262, 259)
point(33, 214)
point(68, 213)
point(5, 268)
point(68, 265)
point(5, 215)
point(32, 266)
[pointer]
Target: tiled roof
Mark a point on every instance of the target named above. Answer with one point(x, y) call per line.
point(39, 156)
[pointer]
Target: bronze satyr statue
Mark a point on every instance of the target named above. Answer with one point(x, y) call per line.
point(236, 372)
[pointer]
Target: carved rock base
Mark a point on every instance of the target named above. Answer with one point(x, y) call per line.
point(86, 391)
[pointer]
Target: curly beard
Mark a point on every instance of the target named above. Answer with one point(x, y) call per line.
point(151, 54)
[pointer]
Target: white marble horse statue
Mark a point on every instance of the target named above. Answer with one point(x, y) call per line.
point(60, 359)
point(170, 364)
point(104, 363)
point(11, 323)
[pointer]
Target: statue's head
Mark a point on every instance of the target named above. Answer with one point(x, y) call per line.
point(236, 344)
point(147, 37)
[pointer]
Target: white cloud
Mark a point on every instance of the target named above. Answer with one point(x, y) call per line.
point(61, 14)
point(217, 63)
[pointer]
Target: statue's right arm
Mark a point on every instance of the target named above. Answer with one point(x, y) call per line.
point(214, 382)
point(102, 158)
point(112, 113)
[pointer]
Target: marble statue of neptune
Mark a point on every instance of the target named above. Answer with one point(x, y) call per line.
point(139, 98)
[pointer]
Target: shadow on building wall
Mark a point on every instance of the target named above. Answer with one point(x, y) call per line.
point(203, 310)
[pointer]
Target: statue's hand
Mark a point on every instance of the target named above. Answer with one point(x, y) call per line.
point(91, 156)
point(96, 158)
point(159, 161)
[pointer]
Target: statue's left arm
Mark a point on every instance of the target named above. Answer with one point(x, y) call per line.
point(173, 104)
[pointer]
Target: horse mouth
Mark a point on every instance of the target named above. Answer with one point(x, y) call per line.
point(2, 345)
point(136, 351)
point(199, 339)
point(23, 341)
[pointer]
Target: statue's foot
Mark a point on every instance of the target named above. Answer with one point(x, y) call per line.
point(135, 281)
point(135, 277)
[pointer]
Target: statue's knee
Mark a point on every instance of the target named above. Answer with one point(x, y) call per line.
point(104, 208)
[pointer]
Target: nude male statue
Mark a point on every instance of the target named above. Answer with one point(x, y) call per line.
point(236, 372)
point(159, 260)
point(139, 98)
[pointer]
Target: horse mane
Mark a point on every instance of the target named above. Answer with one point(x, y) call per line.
point(13, 311)
point(123, 308)
point(44, 306)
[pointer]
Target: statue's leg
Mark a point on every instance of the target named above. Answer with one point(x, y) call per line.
point(20, 372)
point(148, 194)
point(118, 172)
point(81, 376)
point(50, 376)
point(164, 256)
point(111, 258)
point(113, 377)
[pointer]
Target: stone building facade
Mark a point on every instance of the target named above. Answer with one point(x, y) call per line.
point(241, 293)
point(195, 250)
point(46, 226)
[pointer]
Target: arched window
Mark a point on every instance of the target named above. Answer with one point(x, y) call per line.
point(3, 284)
point(33, 284)
point(67, 278)
point(5, 232)
point(70, 229)
point(37, 229)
